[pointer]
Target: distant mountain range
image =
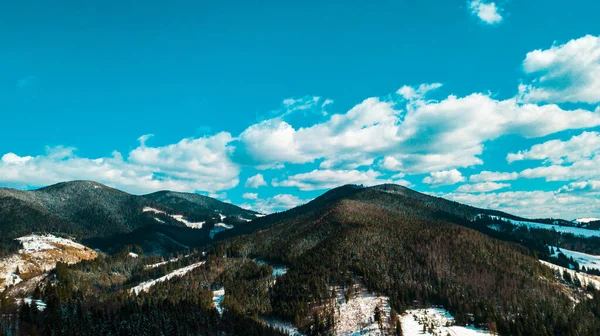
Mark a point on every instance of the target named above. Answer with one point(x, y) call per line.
point(90, 210)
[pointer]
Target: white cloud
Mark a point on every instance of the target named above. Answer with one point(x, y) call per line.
point(575, 149)
point(481, 187)
point(582, 187)
point(487, 12)
point(326, 179)
point(445, 177)
point(250, 196)
point(584, 169)
point(255, 181)
point(573, 159)
point(277, 203)
point(533, 204)
point(421, 137)
point(410, 93)
point(488, 176)
point(564, 73)
point(189, 165)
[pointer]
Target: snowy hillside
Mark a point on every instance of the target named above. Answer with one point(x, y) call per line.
point(40, 254)
point(559, 228)
point(583, 259)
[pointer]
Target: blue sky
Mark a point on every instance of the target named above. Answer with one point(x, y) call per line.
point(198, 96)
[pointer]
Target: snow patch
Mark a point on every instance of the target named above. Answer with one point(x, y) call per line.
point(218, 296)
point(149, 209)
point(583, 259)
point(145, 286)
point(584, 278)
point(41, 305)
point(179, 218)
point(437, 322)
point(219, 227)
point(357, 315)
point(40, 254)
point(133, 255)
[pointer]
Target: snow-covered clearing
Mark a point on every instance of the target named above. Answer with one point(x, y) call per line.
point(133, 255)
point(583, 259)
point(179, 218)
point(285, 326)
point(278, 270)
point(558, 228)
point(145, 286)
point(584, 278)
point(218, 296)
point(437, 321)
point(219, 227)
point(36, 243)
point(40, 254)
point(158, 264)
point(357, 316)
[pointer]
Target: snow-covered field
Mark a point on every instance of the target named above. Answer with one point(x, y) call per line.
point(145, 286)
point(40, 254)
point(588, 260)
point(584, 278)
point(559, 228)
point(179, 218)
point(437, 321)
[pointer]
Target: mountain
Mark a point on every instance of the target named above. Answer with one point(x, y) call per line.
point(356, 260)
point(416, 250)
point(199, 205)
point(89, 210)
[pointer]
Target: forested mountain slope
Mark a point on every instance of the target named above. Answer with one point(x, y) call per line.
point(416, 250)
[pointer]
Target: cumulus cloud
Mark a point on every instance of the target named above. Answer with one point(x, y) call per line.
point(568, 72)
point(573, 159)
point(276, 203)
point(189, 165)
point(256, 181)
point(445, 177)
point(487, 12)
point(326, 179)
point(488, 176)
point(577, 148)
point(250, 196)
point(411, 93)
point(582, 186)
point(481, 187)
point(415, 136)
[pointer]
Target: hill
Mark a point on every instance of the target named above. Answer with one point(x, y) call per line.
point(415, 249)
point(89, 210)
